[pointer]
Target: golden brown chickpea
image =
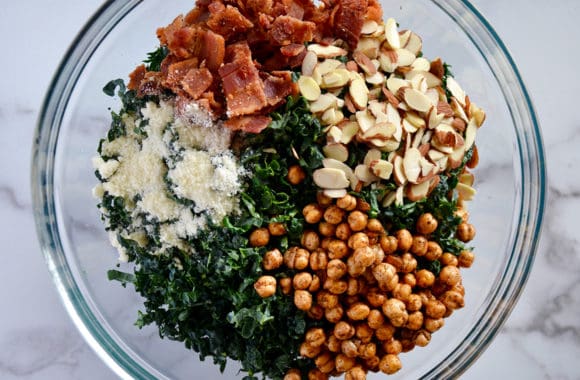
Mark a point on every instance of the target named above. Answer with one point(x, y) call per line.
point(325, 242)
point(296, 174)
point(465, 259)
point(343, 330)
point(347, 203)
point(402, 292)
point(367, 350)
point(335, 286)
point(286, 285)
point(303, 300)
point(434, 251)
point(333, 214)
point(465, 232)
point(354, 286)
point(315, 336)
point(388, 244)
point(414, 303)
point(458, 288)
point(390, 364)
point(385, 332)
point(349, 348)
point(404, 240)
point(296, 258)
point(272, 259)
point(450, 275)
point(408, 344)
point(312, 213)
point(323, 199)
point(358, 311)
point(277, 229)
point(265, 286)
point(343, 231)
point(326, 299)
point(396, 261)
point(326, 229)
point(375, 225)
point(426, 224)
point(452, 300)
point(435, 309)
point(316, 312)
point(409, 263)
point(318, 260)
point(396, 311)
point(357, 220)
point(309, 351)
point(293, 374)
point(302, 280)
point(463, 214)
point(356, 373)
point(415, 321)
point(310, 240)
point(343, 363)
point(419, 246)
point(433, 324)
point(333, 343)
point(364, 332)
point(384, 273)
point(375, 297)
point(337, 249)
point(372, 364)
point(315, 284)
point(409, 278)
point(375, 319)
point(425, 278)
point(422, 338)
point(259, 237)
point(364, 256)
point(334, 315)
point(362, 205)
point(354, 270)
point(449, 259)
point(335, 269)
point(392, 346)
point(318, 374)
point(358, 240)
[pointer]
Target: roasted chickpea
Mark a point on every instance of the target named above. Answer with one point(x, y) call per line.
point(409, 263)
point(349, 348)
point(375, 225)
point(343, 363)
point(422, 338)
point(334, 315)
point(375, 319)
point(318, 260)
point(312, 213)
point(465, 259)
point(265, 286)
point(385, 332)
point(396, 311)
point(452, 300)
point(286, 285)
point(414, 303)
point(335, 269)
point(419, 246)
point(364, 256)
point(333, 214)
point(293, 374)
point(415, 321)
point(372, 363)
point(367, 350)
point(309, 351)
point(296, 258)
point(354, 269)
point(315, 284)
point(296, 174)
point(326, 229)
point(390, 364)
point(325, 242)
point(357, 220)
point(272, 259)
point(343, 231)
point(337, 249)
point(358, 311)
point(435, 309)
point(362, 205)
point(434, 251)
point(433, 324)
point(310, 240)
point(302, 281)
point(408, 344)
point(426, 224)
point(385, 274)
point(402, 292)
point(409, 278)
point(425, 278)
point(277, 229)
point(315, 337)
point(343, 330)
point(450, 275)
point(404, 240)
point(462, 213)
point(326, 299)
point(316, 312)
point(449, 259)
point(392, 346)
point(364, 332)
point(259, 237)
point(303, 300)
point(333, 343)
point(388, 244)
point(317, 374)
point(465, 232)
point(375, 297)
point(358, 240)
point(335, 286)
point(347, 203)
point(356, 373)
point(323, 199)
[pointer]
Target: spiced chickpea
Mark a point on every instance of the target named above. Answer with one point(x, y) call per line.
point(435, 309)
point(465, 232)
point(408, 344)
point(364, 332)
point(452, 300)
point(315, 284)
point(334, 315)
point(343, 363)
point(375, 225)
point(409, 278)
point(277, 229)
point(323, 199)
point(414, 302)
point(419, 246)
point(376, 298)
point(384, 273)
point(347, 203)
point(335, 269)
point(296, 258)
point(396, 261)
point(422, 338)
point(355, 286)
point(385, 332)
point(333, 344)
point(404, 240)
point(449, 259)
point(358, 240)
point(326, 229)
point(303, 299)
point(334, 214)
point(296, 174)
point(426, 224)
point(364, 256)
point(316, 312)
point(388, 244)
point(356, 373)
point(415, 321)
point(343, 330)
point(260, 237)
point(402, 292)
point(409, 263)
point(265, 286)
point(293, 374)
point(465, 259)
point(392, 346)
point(396, 311)
point(309, 351)
point(310, 240)
point(312, 213)
point(425, 278)
point(325, 242)
point(349, 348)
point(358, 311)
point(337, 249)
point(272, 259)
point(357, 220)
point(433, 324)
point(302, 280)
point(390, 364)
point(335, 286)
point(315, 336)
point(343, 231)
point(375, 319)
point(450, 275)
point(367, 350)
point(318, 260)
point(462, 213)
point(286, 285)
point(372, 363)
point(326, 299)
point(434, 251)
point(317, 374)
point(362, 205)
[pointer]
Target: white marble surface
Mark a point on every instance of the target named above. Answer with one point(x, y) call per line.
point(541, 339)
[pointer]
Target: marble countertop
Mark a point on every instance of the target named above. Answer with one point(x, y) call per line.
point(541, 339)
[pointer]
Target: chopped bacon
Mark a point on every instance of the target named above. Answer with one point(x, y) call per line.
point(277, 86)
point(348, 20)
point(213, 50)
point(227, 21)
point(196, 82)
point(292, 50)
point(136, 77)
point(151, 84)
point(286, 30)
point(250, 124)
point(374, 11)
point(177, 71)
point(242, 86)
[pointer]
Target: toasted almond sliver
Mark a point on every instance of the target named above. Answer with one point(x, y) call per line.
point(414, 43)
point(376, 79)
point(418, 191)
point(399, 196)
point(348, 172)
point(456, 157)
point(330, 178)
point(349, 130)
point(430, 79)
point(359, 93)
point(415, 119)
point(392, 34)
point(465, 192)
point(309, 63)
point(365, 120)
point(408, 127)
point(470, 133)
point(324, 102)
point(458, 109)
point(456, 90)
point(364, 174)
point(335, 193)
point(369, 46)
point(328, 51)
point(328, 65)
point(382, 131)
point(369, 27)
point(421, 64)
point(388, 62)
point(372, 155)
point(416, 100)
point(411, 164)
point(382, 169)
point(334, 134)
point(405, 57)
point(336, 151)
point(399, 171)
point(331, 116)
point(364, 62)
point(477, 113)
point(335, 78)
point(309, 88)
point(394, 84)
point(466, 178)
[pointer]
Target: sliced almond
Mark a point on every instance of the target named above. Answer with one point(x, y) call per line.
point(415, 119)
point(364, 62)
point(365, 120)
point(372, 155)
point(431, 80)
point(411, 164)
point(336, 151)
point(309, 88)
point(348, 172)
point(399, 196)
point(434, 118)
point(376, 79)
point(335, 193)
point(477, 114)
point(426, 167)
point(329, 51)
point(335, 78)
point(399, 171)
point(369, 27)
point(433, 95)
point(389, 199)
point(364, 174)
point(388, 61)
point(445, 109)
point(330, 178)
point(470, 133)
point(421, 64)
point(404, 57)
point(381, 168)
point(417, 139)
point(381, 131)
point(416, 192)
point(393, 115)
point(416, 100)
point(334, 134)
point(458, 124)
point(324, 102)
point(456, 90)
point(328, 65)
point(359, 93)
point(349, 130)
point(466, 178)
point(377, 109)
point(331, 116)
point(408, 127)
point(465, 192)
point(437, 68)
point(390, 145)
point(309, 62)
point(435, 155)
point(456, 157)
point(414, 44)
point(369, 46)
point(392, 34)
point(458, 109)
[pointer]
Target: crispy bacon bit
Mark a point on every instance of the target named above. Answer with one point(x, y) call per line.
point(292, 50)
point(374, 11)
point(348, 20)
point(249, 124)
point(241, 83)
point(177, 71)
point(136, 77)
point(196, 82)
point(287, 30)
point(277, 86)
point(227, 21)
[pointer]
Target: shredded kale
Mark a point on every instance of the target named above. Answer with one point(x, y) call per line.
point(114, 212)
point(154, 59)
point(446, 74)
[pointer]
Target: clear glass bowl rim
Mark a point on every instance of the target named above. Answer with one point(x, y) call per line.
point(501, 301)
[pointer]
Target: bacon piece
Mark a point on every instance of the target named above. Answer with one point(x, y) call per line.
point(348, 20)
point(255, 7)
point(374, 11)
point(227, 21)
point(250, 124)
point(177, 71)
point(241, 83)
point(151, 84)
point(277, 86)
point(136, 77)
point(196, 82)
point(286, 30)
point(292, 50)
point(213, 50)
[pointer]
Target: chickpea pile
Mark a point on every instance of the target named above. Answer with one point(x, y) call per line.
point(364, 286)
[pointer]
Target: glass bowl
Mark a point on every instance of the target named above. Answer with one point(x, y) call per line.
point(507, 211)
